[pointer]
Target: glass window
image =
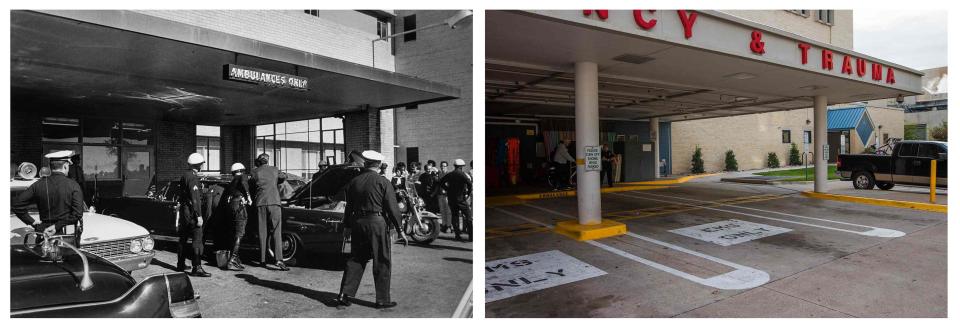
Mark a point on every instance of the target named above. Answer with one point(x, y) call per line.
point(137, 134)
point(332, 123)
point(410, 23)
point(203, 130)
point(339, 136)
point(928, 151)
point(101, 131)
point(807, 138)
point(328, 137)
point(297, 126)
point(209, 147)
point(786, 136)
point(101, 162)
point(908, 150)
point(60, 130)
point(264, 130)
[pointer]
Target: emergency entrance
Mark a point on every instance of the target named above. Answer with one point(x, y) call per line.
point(621, 77)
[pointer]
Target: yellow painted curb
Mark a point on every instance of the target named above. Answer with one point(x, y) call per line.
point(880, 202)
point(670, 181)
point(571, 193)
point(574, 230)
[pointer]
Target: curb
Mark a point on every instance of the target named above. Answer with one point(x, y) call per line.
point(877, 201)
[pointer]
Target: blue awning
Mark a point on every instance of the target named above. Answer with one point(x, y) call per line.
point(844, 119)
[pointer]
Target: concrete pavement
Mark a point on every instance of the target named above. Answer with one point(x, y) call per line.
point(428, 281)
point(836, 259)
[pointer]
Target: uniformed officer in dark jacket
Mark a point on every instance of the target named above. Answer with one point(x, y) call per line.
point(458, 187)
point(59, 199)
point(264, 181)
point(191, 218)
point(371, 201)
point(237, 196)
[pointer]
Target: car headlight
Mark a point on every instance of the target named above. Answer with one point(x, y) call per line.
point(136, 245)
point(147, 244)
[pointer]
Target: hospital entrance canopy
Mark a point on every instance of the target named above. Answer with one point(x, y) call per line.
point(673, 65)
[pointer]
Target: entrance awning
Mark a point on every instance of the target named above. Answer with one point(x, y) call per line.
point(661, 72)
point(173, 71)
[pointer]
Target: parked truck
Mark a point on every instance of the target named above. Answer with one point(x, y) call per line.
point(907, 164)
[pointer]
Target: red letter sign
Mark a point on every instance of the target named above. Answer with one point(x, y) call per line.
point(646, 25)
point(826, 60)
point(890, 79)
point(861, 67)
point(756, 45)
point(877, 72)
point(687, 21)
point(803, 52)
point(603, 14)
point(846, 68)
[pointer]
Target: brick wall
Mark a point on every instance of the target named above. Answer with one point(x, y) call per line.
point(177, 141)
point(442, 130)
point(361, 130)
point(25, 137)
point(324, 35)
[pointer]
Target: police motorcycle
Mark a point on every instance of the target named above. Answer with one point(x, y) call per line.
point(420, 225)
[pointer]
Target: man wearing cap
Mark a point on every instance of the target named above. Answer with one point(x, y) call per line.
point(458, 187)
point(264, 181)
point(191, 218)
point(322, 166)
point(59, 199)
point(370, 198)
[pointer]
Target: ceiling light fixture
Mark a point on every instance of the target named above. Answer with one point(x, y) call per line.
point(741, 76)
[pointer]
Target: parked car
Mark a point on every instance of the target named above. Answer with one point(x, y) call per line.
point(908, 164)
point(312, 217)
point(52, 279)
point(119, 241)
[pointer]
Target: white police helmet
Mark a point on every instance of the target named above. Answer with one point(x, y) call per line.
point(237, 167)
point(195, 159)
point(459, 162)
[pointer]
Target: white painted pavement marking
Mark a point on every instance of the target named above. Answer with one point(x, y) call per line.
point(742, 277)
point(730, 232)
point(873, 232)
point(533, 272)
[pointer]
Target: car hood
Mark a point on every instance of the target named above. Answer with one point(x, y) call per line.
point(329, 183)
point(35, 282)
point(96, 228)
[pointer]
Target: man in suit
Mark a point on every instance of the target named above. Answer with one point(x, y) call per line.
point(264, 181)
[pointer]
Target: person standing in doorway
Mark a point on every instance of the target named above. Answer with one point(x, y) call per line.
point(191, 217)
point(265, 179)
point(458, 187)
point(607, 158)
point(371, 202)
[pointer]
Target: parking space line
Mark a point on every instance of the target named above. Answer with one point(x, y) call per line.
point(742, 277)
point(514, 230)
point(676, 208)
point(873, 232)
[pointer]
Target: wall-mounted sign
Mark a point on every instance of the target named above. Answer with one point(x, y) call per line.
point(264, 77)
point(591, 156)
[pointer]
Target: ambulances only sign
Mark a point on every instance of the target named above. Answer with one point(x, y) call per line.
point(264, 77)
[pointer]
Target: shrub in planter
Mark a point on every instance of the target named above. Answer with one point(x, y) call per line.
point(697, 162)
point(730, 161)
point(794, 154)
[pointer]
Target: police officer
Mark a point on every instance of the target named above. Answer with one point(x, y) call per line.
point(191, 217)
point(238, 198)
point(322, 166)
point(265, 179)
point(458, 187)
point(59, 199)
point(370, 198)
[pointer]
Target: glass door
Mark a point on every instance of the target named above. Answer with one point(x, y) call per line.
point(138, 168)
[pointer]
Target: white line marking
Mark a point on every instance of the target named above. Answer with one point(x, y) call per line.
point(873, 232)
point(742, 277)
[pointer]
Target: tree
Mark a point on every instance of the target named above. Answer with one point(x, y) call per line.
point(772, 160)
point(910, 132)
point(794, 154)
point(939, 133)
point(697, 162)
point(730, 161)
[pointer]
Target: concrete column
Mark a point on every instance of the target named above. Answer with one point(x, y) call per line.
point(655, 137)
point(588, 134)
point(819, 143)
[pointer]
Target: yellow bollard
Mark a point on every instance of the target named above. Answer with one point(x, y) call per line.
point(933, 181)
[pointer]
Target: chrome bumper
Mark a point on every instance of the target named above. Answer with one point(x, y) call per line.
point(134, 263)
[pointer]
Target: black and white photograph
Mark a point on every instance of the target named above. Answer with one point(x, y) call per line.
point(241, 163)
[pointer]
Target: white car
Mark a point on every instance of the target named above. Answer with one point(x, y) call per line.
point(119, 241)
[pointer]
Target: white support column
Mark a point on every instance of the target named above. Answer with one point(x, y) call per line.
point(655, 137)
point(819, 143)
point(588, 134)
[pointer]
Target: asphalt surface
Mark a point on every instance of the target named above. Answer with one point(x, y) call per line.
point(428, 281)
point(838, 259)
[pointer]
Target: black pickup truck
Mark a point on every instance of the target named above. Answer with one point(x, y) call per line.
point(908, 163)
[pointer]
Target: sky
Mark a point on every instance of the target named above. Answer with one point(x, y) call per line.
point(914, 38)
